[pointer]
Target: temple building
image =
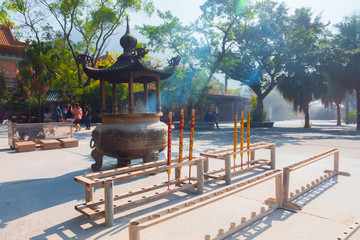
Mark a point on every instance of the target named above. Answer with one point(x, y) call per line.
point(10, 55)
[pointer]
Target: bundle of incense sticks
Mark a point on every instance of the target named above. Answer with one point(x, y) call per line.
point(181, 146)
point(192, 126)
point(235, 138)
point(169, 147)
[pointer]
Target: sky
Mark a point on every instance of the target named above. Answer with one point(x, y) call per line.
point(188, 11)
point(331, 11)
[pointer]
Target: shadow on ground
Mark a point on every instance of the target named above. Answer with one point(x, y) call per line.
point(259, 227)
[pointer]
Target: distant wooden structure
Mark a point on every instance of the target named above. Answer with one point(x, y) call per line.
point(10, 56)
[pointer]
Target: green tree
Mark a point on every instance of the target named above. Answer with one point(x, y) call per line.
point(349, 35)
point(95, 20)
point(172, 36)
point(202, 46)
point(259, 60)
point(221, 26)
point(37, 70)
point(65, 80)
point(302, 83)
point(332, 68)
point(179, 39)
point(27, 16)
point(4, 92)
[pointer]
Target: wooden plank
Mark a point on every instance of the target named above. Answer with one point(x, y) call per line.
point(221, 154)
point(149, 171)
point(312, 159)
point(188, 205)
point(47, 144)
point(237, 172)
point(249, 168)
point(350, 231)
point(143, 172)
point(267, 146)
point(25, 146)
point(92, 210)
point(311, 186)
point(84, 181)
point(88, 212)
point(259, 161)
point(215, 154)
point(208, 175)
point(244, 223)
point(68, 142)
point(131, 168)
point(229, 150)
point(97, 175)
point(133, 193)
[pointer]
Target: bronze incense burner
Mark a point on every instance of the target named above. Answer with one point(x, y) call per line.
point(128, 135)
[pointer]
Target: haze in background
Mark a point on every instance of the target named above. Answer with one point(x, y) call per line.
point(188, 11)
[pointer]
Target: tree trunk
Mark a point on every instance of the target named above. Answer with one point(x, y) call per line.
point(338, 114)
point(358, 108)
point(307, 117)
point(347, 96)
point(40, 119)
point(259, 110)
point(226, 83)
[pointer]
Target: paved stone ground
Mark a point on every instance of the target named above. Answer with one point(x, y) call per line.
point(38, 193)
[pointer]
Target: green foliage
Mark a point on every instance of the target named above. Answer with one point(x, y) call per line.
point(4, 92)
point(95, 20)
point(37, 68)
point(253, 114)
point(352, 117)
point(202, 46)
point(253, 102)
point(332, 68)
point(303, 83)
point(98, 20)
point(5, 17)
point(260, 45)
point(349, 42)
point(260, 56)
point(65, 80)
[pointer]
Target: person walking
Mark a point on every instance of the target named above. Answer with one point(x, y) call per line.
point(69, 113)
point(78, 113)
point(58, 113)
point(214, 119)
point(87, 116)
point(64, 113)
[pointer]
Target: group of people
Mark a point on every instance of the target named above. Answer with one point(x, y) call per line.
point(75, 112)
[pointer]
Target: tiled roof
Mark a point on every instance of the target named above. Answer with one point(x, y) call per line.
point(54, 97)
point(126, 64)
point(7, 40)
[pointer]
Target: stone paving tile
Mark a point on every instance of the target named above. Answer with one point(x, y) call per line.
point(38, 193)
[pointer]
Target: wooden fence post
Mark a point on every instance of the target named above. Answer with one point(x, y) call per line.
point(279, 189)
point(336, 162)
point(252, 155)
point(134, 233)
point(109, 203)
point(286, 182)
point(200, 176)
point(206, 165)
point(272, 156)
point(89, 194)
point(228, 169)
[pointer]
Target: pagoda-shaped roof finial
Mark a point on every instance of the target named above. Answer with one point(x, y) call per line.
point(128, 41)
